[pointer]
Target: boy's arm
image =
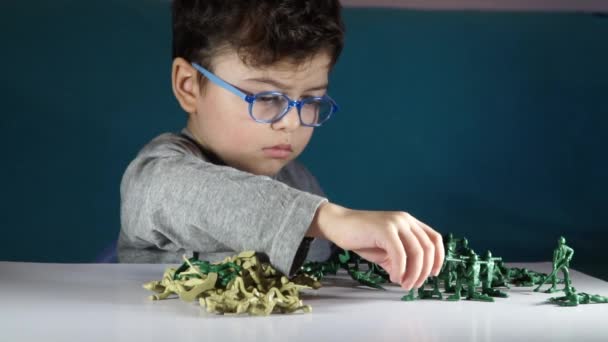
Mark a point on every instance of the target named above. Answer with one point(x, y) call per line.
point(182, 201)
point(296, 175)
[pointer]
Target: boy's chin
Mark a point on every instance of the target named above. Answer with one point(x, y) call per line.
point(270, 169)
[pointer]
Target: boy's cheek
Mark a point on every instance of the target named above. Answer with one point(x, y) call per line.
point(303, 137)
point(239, 143)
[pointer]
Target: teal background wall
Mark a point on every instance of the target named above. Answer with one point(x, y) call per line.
point(488, 125)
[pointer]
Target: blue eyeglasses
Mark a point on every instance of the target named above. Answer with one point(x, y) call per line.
point(271, 106)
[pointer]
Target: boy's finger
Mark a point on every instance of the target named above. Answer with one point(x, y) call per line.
point(428, 249)
point(396, 253)
point(437, 240)
point(414, 254)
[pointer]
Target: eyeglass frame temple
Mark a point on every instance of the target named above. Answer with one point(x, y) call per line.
point(223, 83)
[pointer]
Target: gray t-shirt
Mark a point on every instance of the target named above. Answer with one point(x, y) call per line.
point(177, 198)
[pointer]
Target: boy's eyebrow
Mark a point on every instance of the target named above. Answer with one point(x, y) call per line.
point(280, 85)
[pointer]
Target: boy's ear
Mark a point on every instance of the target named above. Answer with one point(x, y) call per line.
point(185, 85)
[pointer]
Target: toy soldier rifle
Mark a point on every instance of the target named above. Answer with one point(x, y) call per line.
point(454, 260)
point(555, 269)
point(465, 260)
point(494, 259)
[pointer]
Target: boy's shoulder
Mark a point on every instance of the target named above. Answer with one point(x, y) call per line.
point(177, 145)
point(172, 144)
point(296, 175)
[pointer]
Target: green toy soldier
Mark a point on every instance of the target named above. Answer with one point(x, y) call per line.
point(410, 296)
point(448, 271)
point(464, 248)
point(423, 293)
point(459, 266)
point(525, 277)
point(561, 261)
point(573, 299)
point(469, 272)
point(434, 293)
point(501, 275)
point(473, 270)
point(489, 274)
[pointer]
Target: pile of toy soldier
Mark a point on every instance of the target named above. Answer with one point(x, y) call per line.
point(466, 275)
point(239, 284)
point(246, 284)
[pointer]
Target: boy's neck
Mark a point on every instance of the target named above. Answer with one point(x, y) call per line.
point(211, 156)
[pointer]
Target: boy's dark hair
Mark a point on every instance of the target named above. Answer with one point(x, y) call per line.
point(261, 31)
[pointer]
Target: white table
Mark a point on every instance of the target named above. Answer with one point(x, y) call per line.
point(106, 302)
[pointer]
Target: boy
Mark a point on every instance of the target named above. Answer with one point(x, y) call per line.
point(230, 182)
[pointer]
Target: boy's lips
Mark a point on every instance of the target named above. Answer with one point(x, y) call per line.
point(281, 151)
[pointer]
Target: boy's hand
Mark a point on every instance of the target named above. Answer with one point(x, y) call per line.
point(405, 247)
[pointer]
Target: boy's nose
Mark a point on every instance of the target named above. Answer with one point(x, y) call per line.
point(289, 122)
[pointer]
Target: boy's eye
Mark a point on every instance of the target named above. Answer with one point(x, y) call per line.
point(319, 93)
point(269, 99)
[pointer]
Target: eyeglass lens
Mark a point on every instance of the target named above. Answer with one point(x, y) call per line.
point(268, 107)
